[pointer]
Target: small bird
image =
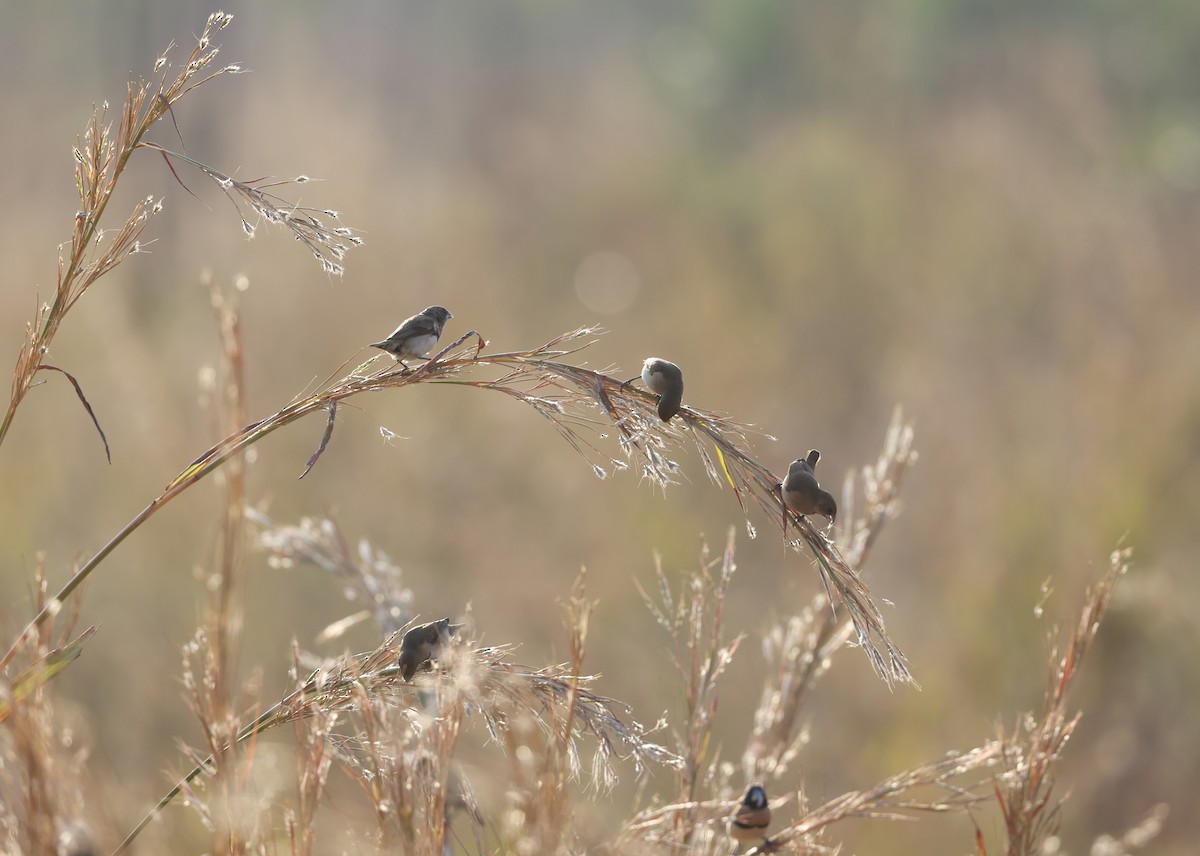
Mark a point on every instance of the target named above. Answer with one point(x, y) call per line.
point(422, 643)
point(416, 336)
point(801, 491)
point(665, 379)
point(749, 823)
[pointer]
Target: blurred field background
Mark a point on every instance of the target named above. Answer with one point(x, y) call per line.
point(986, 212)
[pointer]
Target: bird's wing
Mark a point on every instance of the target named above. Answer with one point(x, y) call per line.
point(418, 325)
point(802, 467)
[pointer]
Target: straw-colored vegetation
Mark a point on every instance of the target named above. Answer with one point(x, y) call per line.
point(482, 751)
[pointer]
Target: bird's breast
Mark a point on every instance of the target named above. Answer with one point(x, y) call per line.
point(655, 381)
point(419, 346)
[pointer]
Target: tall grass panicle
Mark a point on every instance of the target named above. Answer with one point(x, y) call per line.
point(44, 783)
point(368, 576)
point(1025, 793)
point(101, 155)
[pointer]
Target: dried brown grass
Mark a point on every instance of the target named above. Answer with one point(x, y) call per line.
point(400, 740)
point(93, 251)
point(1025, 789)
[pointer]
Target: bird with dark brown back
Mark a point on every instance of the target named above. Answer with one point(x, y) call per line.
point(749, 823)
point(416, 336)
point(422, 644)
point(802, 493)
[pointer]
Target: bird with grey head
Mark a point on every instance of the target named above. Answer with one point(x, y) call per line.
point(665, 379)
point(802, 493)
point(416, 336)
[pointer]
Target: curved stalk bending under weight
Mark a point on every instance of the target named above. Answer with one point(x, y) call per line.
point(583, 406)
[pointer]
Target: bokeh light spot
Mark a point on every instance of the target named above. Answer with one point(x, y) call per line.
point(607, 282)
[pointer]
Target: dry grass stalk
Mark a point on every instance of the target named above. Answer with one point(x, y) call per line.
point(544, 759)
point(210, 673)
point(314, 759)
point(230, 810)
point(1025, 790)
point(582, 405)
point(569, 397)
point(1017, 769)
point(402, 757)
point(369, 576)
point(799, 650)
point(503, 687)
point(580, 395)
point(42, 761)
point(958, 781)
point(223, 396)
point(695, 823)
point(478, 681)
point(329, 243)
point(101, 159)
point(700, 656)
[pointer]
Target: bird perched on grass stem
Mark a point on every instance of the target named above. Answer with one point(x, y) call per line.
point(749, 823)
point(416, 336)
point(802, 492)
point(665, 379)
point(423, 643)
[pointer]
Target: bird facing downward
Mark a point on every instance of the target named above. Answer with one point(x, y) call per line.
point(417, 335)
point(749, 823)
point(666, 379)
point(803, 494)
point(422, 643)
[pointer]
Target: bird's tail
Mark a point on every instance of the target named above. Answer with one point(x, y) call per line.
point(668, 404)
